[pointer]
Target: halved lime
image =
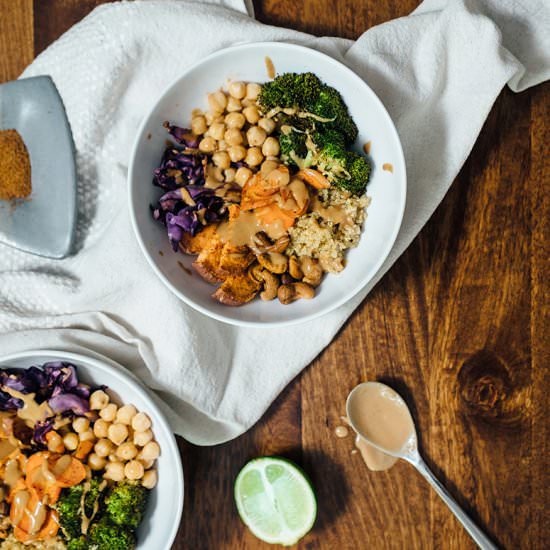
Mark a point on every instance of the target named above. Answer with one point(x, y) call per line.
point(275, 500)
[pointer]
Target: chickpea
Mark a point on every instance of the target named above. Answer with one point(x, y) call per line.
point(235, 120)
point(236, 153)
point(248, 102)
point(96, 462)
point(233, 105)
point(87, 436)
point(207, 145)
point(251, 114)
point(233, 136)
point(150, 451)
point(242, 175)
point(142, 438)
point(134, 470)
point(114, 471)
point(222, 145)
point(54, 442)
point(229, 175)
point(150, 479)
point(221, 159)
point(196, 112)
point(98, 400)
point(103, 447)
point(118, 433)
point(252, 90)
point(198, 125)
point(267, 124)
point(70, 441)
point(268, 166)
point(210, 117)
point(127, 451)
point(271, 147)
point(109, 412)
point(101, 428)
point(255, 136)
point(217, 130)
point(125, 414)
point(217, 101)
point(81, 424)
point(254, 156)
point(237, 89)
point(147, 463)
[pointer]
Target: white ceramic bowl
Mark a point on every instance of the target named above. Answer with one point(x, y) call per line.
point(162, 518)
point(387, 190)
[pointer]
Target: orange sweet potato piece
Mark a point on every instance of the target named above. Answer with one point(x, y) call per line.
point(236, 290)
point(48, 529)
point(195, 245)
point(82, 451)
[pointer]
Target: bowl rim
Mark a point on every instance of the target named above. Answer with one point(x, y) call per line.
point(362, 283)
point(128, 378)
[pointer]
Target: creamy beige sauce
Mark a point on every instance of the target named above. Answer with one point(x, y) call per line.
point(241, 230)
point(45, 472)
point(334, 214)
point(374, 459)
point(367, 146)
point(341, 431)
point(269, 67)
point(19, 504)
point(382, 417)
point(387, 167)
point(12, 473)
point(31, 411)
point(61, 466)
point(37, 517)
point(6, 448)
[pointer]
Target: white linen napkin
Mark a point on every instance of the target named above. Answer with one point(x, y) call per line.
point(438, 71)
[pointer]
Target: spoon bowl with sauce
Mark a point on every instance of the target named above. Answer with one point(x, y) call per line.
point(382, 420)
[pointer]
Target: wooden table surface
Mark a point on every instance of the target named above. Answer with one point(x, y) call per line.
point(459, 325)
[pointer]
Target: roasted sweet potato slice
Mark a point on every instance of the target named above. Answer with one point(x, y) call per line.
point(235, 260)
point(236, 290)
point(47, 530)
point(195, 245)
point(207, 263)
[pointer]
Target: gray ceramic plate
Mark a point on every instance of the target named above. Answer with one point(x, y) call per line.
point(44, 223)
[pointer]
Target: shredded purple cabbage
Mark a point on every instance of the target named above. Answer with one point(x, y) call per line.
point(56, 382)
point(40, 431)
point(9, 403)
point(187, 206)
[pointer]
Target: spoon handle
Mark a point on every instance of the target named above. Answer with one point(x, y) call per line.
point(474, 531)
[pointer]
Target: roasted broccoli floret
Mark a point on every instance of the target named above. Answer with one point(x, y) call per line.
point(81, 543)
point(126, 504)
point(94, 495)
point(106, 535)
point(293, 147)
point(290, 90)
point(358, 168)
point(70, 512)
point(330, 105)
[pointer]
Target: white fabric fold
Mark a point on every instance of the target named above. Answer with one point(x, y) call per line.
point(438, 71)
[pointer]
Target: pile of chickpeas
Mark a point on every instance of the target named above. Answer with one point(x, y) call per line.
point(233, 130)
point(115, 440)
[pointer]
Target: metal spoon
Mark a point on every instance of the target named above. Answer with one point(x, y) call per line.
point(410, 453)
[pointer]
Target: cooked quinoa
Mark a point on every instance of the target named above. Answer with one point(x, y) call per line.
point(11, 543)
point(314, 236)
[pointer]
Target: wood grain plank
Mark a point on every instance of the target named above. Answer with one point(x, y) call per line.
point(16, 37)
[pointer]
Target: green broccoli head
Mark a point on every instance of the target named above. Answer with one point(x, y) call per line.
point(290, 90)
point(358, 167)
point(106, 535)
point(81, 543)
point(70, 512)
point(293, 146)
point(93, 501)
point(329, 104)
point(126, 504)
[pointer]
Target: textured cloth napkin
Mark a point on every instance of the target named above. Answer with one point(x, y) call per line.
point(438, 71)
